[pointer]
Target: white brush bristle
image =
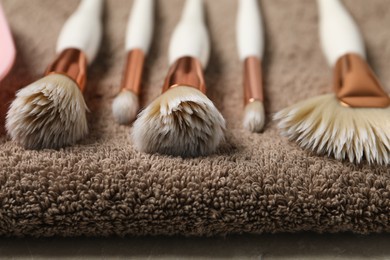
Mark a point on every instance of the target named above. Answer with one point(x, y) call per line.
point(125, 107)
point(180, 122)
point(254, 116)
point(49, 113)
point(323, 125)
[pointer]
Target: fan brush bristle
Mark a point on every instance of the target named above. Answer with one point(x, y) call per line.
point(180, 122)
point(49, 113)
point(125, 107)
point(323, 125)
point(254, 116)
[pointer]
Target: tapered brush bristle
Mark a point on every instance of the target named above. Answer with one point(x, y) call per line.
point(254, 116)
point(125, 107)
point(323, 125)
point(49, 113)
point(181, 122)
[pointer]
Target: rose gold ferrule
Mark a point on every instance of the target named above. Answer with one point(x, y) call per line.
point(72, 63)
point(132, 75)
point(186, 71)
point(356, 85)
point(253, 81)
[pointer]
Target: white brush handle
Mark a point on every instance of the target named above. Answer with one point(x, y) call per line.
point(140, 26)
point(339, 33)
point(83, 29)
point(190, 37)
point(250, 32)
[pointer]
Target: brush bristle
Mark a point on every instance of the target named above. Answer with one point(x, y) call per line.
point(125, 107)
point(180, 122)
point(49, 113)
point(254, 116)
point(323, 125)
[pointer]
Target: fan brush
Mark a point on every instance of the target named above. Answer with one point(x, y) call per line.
point(354, 122)
point(250, 42)
point(138, 37)
point(51, 112)
point(183, 121)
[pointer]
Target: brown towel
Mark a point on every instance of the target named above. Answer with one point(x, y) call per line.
point(256, 183)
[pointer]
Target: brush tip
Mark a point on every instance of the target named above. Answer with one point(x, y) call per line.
point(125, 107)
point(322, 125)
point(180, 122)
point(254, 116)
point(49, 113)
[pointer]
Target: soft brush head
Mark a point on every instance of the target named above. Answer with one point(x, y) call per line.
point(254, 116)
point(323, 125)
point(49, 113)
point(125, 107)
point(181, 122)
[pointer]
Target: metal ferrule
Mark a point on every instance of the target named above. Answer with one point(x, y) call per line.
point(132, 75)
point(72, 63)
point(253, 81)
point(186, 71)
point(356, 85)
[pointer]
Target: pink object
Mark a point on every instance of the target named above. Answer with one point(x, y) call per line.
point(7, 47)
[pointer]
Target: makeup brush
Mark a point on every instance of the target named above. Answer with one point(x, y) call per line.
point(138, 37)
point(7, 46)
point(51, 112)
point(250, 42)
point(354, 122)
point(182, 121)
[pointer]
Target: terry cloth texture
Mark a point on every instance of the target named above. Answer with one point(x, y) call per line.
point(255, 183)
